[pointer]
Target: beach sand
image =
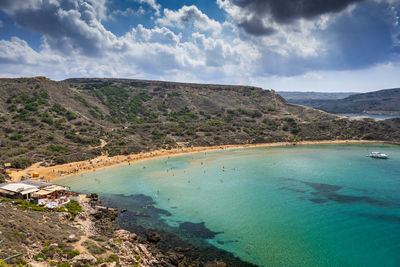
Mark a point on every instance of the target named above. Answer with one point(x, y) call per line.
point(49, 174)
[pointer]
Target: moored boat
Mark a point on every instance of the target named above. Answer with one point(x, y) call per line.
point(378, 155)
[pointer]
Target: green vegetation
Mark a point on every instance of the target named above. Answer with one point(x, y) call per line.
point(24, 205)
point(112, 258)
point(2, 178)
point(74, 208)
point(40, 256)
point(130, 116)
point(72, 254)
point(21, 163)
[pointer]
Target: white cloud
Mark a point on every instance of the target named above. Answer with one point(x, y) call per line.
point(189, 15)
point(129, 12)
point(18, 51)
point(153, 4)
point(183, 45)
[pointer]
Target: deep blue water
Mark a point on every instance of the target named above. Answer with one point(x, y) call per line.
point(325, 205)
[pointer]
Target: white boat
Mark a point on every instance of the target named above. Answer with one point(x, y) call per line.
point(378, 155)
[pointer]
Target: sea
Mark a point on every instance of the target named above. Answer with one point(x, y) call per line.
point(311, 205)
point(363, 115)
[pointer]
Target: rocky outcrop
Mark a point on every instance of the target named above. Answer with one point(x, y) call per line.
point(125, 235)
point(83, 259)
point(153, 236)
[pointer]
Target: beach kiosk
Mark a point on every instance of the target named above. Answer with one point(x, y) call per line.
point(18, 190)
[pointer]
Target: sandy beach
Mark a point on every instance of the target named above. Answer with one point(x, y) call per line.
point(49, 174)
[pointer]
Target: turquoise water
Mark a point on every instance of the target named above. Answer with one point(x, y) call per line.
point(325, 205)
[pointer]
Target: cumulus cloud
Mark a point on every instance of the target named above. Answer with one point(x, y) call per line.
point(187, 45)
point(285, 11)
point(257, 16)
point(71, 27)
point(129, 12)
point(189, 15)
point(17, 51)
point(153, 4)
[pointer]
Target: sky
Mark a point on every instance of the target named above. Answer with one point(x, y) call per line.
point(286, 45)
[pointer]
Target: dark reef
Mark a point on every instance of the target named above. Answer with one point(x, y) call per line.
point(188, 239)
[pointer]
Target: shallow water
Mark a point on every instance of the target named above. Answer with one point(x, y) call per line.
point(325, 205)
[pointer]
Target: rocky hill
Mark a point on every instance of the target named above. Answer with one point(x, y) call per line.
point(304, 97)
point(385, 102)
point(77, 119)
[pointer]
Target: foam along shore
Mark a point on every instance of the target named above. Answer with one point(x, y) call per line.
point(50, 173)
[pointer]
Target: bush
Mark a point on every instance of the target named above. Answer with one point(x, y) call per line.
point(21, 163)
point(16, 137)
point(40, 256)
point(2, 178)
point(54, 148)
point(74, 208)
point(73, 254)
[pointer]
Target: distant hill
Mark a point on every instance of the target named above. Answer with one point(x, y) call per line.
point(385, 102)
point(77, 119)
point(302, 97)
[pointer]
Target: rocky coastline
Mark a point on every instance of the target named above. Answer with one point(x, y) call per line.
point(94, 238)
point(165, 247)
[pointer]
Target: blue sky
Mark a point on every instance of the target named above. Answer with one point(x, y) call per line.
point(297, 45)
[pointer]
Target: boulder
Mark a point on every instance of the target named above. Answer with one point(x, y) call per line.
point(144, 250)
point(181, 249)
point(85, 258)
point(173, 259)
point(73, 238)
point(153, 237)
point(141, 214)
point(216, 264)
point(125, 235)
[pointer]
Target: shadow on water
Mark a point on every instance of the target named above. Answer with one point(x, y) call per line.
point(383, 217)
point(188, 238)
point(198, 230)
point(326, 192)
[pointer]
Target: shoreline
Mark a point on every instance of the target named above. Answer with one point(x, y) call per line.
point(51, 173)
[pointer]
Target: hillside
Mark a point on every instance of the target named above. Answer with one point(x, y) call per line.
point(385, 101)
point(77, 119)
point(304, 97)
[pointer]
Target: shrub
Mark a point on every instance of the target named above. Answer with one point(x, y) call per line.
point(21, 163)
point(40, 256)
point(16, 137)
point(54, 148)
point(72, 254)
point(74, 208)
point(70, 116)
point(2, 178)
point(112, 258)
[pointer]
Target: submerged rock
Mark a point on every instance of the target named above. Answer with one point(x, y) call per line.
point(153, 237)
